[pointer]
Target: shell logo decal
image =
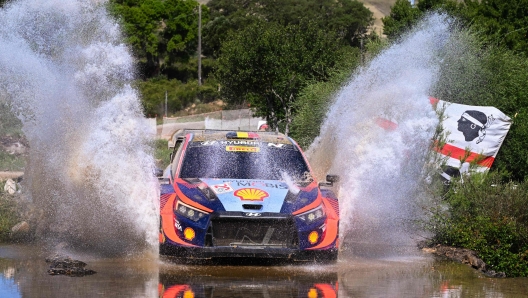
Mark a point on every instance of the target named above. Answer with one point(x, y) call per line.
point(251, 194)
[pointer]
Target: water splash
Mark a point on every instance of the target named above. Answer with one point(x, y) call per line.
point(67, 74)
point(377, 132)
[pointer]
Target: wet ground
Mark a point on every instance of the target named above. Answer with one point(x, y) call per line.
point(23, 273)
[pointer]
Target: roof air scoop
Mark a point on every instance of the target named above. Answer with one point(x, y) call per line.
point(252, 206)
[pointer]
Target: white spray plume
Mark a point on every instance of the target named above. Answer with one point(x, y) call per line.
point(380, 167)
point(66, 71)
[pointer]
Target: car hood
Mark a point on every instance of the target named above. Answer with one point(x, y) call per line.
point(235, 194)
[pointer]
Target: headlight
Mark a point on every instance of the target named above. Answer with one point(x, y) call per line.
point(188, 211)
point(312, 215)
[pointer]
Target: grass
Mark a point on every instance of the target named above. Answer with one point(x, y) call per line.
point(8, 214)
point(10, 162)
point(162, 153)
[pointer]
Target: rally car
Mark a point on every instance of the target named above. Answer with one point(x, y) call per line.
point(245, 194)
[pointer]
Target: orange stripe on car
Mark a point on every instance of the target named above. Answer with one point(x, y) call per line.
point(329, 209)
point(311, 206)
point(327, 290)
point(190, 202)
point(330, 233)
point(174, 291)
point(167, 222)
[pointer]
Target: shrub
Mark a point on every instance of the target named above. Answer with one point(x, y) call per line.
point(489, 217)
point(179, 95)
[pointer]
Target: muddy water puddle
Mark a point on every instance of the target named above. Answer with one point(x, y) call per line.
point(23, 273)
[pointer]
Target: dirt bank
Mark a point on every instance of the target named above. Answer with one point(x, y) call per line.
point(462, 255)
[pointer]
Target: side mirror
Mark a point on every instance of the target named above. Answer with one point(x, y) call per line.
point(159, 173)
point(331, 179)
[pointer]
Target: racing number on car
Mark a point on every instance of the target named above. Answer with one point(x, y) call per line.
point(222, 188)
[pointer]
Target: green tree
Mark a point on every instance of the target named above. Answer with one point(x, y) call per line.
point(267, 64)
point(162, 34)
point(400, 19)
point(140, 22)
point(349, 19)
point(316, 97)
point(180, 28)
point(503, 22)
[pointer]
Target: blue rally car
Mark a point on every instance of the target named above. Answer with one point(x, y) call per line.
point(245, 194)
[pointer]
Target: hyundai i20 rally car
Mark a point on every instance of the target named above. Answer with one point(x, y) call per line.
point(245, 194)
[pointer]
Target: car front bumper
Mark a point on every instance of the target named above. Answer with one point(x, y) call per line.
point(248, 252)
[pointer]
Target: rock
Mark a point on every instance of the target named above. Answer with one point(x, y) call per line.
point(20, 228)
point(462, 255)
point(64, 265)
point(10, 186)
point(471, 259)
point(16, 148)
point(492, 273)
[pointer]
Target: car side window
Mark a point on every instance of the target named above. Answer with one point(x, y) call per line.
point(176, 154)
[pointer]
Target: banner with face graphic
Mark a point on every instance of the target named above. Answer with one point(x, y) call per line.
point(474, 135)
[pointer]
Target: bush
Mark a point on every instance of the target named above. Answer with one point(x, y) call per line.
point(179, 95)
point(489, 217)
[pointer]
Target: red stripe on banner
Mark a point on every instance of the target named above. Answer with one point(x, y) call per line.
point(459, 153)
point(433, 101)
point(386, 124)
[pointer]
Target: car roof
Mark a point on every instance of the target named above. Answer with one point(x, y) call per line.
point(202, 135)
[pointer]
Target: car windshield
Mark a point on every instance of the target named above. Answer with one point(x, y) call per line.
point(266, 162)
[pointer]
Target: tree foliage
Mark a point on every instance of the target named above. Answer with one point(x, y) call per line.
point(316, 97)
point(500, 22)
point(400, 19)
point(267, 64)
point(160, 33)
point(163, 37)
point(348, 19)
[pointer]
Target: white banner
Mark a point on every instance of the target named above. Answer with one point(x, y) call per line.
point(474, 135)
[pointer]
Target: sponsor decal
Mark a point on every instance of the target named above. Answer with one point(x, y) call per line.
point(222, 188)
point(253, 214)
point(208, 143)
point(251, 194)
point(230, 143)
point(275, 145)
point(261, 184)
point(177, 225)
point(247, 143)
point(242, 149)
